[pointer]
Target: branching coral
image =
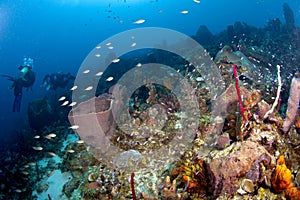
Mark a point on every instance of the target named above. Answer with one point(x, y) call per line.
point(169, 191)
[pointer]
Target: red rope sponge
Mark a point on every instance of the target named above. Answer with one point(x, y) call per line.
point(242, 109)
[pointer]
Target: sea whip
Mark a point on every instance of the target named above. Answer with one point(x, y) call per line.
point(242, 109)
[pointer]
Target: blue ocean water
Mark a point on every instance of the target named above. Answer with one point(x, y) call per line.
point(59, 34)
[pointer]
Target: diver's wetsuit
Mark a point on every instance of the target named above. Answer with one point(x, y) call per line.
point(18, 84)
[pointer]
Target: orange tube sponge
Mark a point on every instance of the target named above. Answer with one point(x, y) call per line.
point(281, 178)
point(281, 181)
point(292, 194)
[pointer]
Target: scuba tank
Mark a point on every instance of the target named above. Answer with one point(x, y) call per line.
point(26, 73)
point(27, 65)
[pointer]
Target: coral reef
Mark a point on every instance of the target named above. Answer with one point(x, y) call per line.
point(40, 113)
point(70, 186)
point(227, 157)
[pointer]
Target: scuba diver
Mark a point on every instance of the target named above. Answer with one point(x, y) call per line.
point(25, 79)
point(56, 80)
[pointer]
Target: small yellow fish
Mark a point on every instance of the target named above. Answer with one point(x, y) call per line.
point(86, 71)
point(38, 148)
point(36, 137)
point(18, 190)
point(52, 135)
point(32, 163)
point(74, 127)
point(73, 104)
point(51, 153)
point(62, 98)
point(97, 55)
point(110, 79)
point(70, 151)
point(25, 172)
point(26, 166)
point(65, 103)
point(89, 88)
point(99, 74)
point(74, 87)
point(79, 141)
point(140, 21)
point(184, 12)
point(115, 60)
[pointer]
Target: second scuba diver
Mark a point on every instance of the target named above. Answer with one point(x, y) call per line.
point(56, 80)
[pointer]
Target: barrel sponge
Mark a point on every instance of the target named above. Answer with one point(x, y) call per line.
point(293, 104)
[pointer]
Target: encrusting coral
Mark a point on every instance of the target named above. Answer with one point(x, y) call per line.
point(281, 180)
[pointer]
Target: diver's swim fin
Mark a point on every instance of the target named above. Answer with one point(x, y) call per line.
point(8, 77)
point(17, 103)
